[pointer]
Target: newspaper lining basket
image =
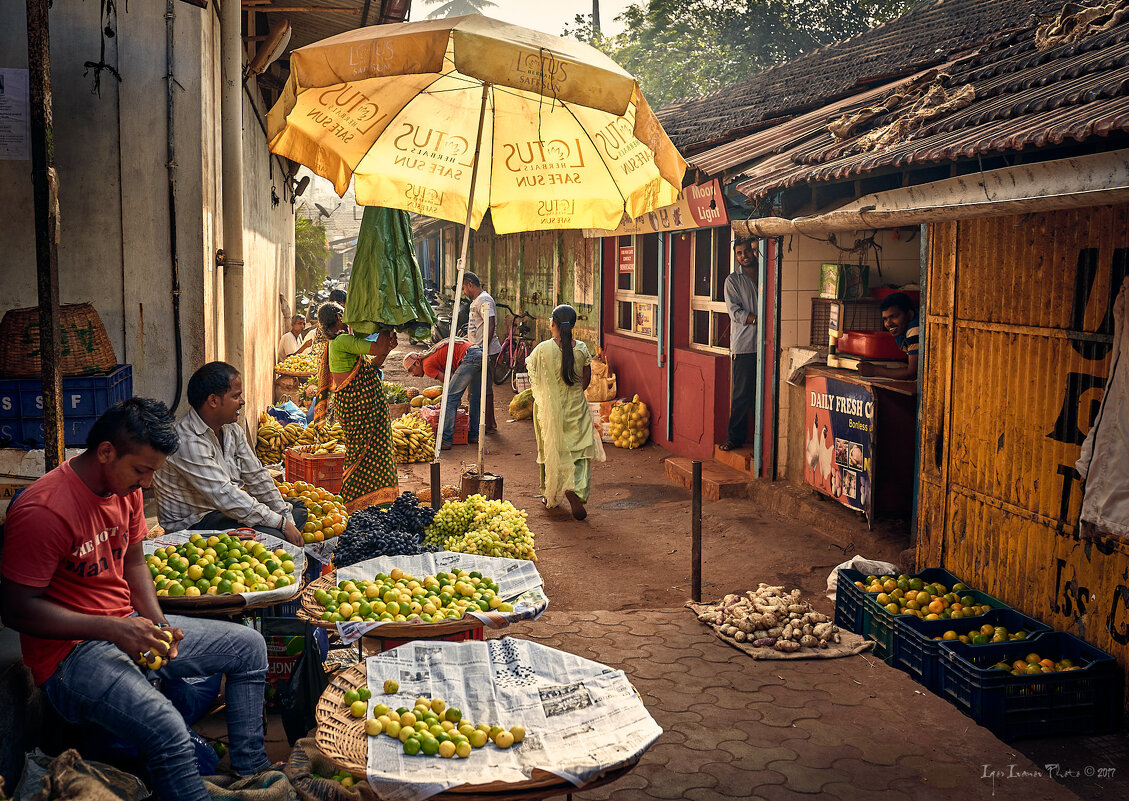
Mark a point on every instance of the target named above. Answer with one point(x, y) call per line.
point(342, 739)
point(406, 631)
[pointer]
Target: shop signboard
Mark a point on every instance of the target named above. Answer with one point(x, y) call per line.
point(627, 259)
point(839, 441)
point(698, 206)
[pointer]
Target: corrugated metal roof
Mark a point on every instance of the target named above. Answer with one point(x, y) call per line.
point(928, 35)
point(1024, 99)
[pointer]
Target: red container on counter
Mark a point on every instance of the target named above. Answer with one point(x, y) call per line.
point(879, 345)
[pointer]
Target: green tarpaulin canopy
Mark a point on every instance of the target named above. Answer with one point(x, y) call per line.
point(386, 287)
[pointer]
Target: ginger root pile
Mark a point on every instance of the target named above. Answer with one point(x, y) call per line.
point(770, 617)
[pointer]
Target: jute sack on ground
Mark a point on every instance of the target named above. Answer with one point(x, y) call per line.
point(269, 785)
point(848, 645)
point(69, 777)
point(306, 760)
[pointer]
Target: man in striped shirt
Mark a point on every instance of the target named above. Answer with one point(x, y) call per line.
point(900, 319)
point(214, 481)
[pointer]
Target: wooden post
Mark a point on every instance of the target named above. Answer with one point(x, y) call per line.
point(696, 533)
point(436, 487)
point(45, 184)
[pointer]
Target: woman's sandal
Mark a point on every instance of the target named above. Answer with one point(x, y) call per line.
point(727, 446)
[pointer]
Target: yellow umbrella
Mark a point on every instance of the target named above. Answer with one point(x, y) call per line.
point(544, 132)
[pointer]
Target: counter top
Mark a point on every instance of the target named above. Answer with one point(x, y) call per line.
point(900, 386)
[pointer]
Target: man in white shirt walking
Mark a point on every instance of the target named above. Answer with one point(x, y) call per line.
point(741, 303)
point(215, 480)
point(483, 322)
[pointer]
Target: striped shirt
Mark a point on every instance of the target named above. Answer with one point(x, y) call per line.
point(203, 476)
point(909, 341)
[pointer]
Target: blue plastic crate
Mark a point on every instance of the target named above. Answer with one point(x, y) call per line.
point(1086, 701)
point(83, 396)
point(881, 626)
point(916, 652)
point(85, 399)
point(849, 598)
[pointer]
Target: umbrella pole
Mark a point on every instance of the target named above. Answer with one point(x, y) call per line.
point(461, 273)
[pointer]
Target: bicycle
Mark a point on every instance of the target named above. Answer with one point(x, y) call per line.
point(516, 347)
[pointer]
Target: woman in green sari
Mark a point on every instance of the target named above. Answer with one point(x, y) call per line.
point(358, 401)
point(567, 443)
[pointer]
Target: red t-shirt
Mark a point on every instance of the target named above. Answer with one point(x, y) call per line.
point(64, 537)
point(435, 364)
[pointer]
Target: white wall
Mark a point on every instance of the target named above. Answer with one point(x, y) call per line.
point(110, 154)
point(899, 258)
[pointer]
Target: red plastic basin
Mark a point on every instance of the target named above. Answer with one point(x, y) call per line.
point(870, 345)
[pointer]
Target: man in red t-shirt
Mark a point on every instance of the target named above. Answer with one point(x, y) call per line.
point(77, 588)
point(466, 371)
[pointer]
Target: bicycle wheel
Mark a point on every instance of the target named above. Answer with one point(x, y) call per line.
point(502, 366)
point(518, 365)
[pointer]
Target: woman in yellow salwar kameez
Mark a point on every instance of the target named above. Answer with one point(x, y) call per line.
point(567, 442)
point(358, 401)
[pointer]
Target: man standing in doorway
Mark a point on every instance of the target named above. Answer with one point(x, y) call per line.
point(741, 303)
point(483, 321)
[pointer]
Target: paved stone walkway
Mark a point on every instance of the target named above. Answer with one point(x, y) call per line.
point(734, 727)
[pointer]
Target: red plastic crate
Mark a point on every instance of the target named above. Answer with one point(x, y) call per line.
point(387, 645)
point(322, 469)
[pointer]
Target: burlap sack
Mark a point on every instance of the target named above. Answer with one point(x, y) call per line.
point(70, 778)
point(305, 769)
point(849, 644)
point(603, 385)
point(269, 785)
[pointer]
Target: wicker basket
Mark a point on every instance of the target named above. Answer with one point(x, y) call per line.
point(342, 739)
point(86, 348)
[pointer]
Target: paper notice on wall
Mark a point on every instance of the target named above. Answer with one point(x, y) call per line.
point(15, 113)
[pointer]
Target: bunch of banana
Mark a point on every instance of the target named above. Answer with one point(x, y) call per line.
point(329, 446)
point(290, 433)
point(271, 440)
point(319, 432)
point(412, 439)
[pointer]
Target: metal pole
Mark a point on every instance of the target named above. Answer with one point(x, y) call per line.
point(45, 183)
point(436, 488)
point(459, 278)
point(696, 533)
point(231, 109)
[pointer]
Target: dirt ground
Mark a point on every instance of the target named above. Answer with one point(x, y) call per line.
point(633, 551)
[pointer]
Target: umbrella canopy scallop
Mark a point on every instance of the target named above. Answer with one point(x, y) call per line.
point(564, 136)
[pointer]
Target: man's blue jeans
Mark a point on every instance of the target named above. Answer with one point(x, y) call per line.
point(97, 683)
point(467, 374)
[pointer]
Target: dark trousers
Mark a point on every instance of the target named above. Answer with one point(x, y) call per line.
point(744, 397)
point(218, 521)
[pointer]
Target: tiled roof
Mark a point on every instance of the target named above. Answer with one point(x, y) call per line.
point(1025, 98)
point(927, 36)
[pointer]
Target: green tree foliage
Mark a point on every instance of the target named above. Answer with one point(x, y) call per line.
point(311, 249)
point(686, 48)
point(458, 8)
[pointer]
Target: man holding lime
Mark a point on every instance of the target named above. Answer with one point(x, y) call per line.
point(78, 589)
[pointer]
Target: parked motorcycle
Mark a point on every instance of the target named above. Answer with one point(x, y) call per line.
point(442, 329)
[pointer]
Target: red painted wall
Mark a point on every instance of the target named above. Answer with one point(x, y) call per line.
point(700, 380)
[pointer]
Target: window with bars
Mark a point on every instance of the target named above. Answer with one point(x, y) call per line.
point(637, 285)
point(710, 266)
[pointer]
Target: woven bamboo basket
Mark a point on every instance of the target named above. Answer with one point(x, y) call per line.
point(342, 739)
point(310, 611)
point(86, 348)
point(280, 371)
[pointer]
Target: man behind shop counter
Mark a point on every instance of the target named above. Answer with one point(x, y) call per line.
point(899, 317)
point(741, 303)
point(483, 322)
point(78, 589)
point(466, 372)
point(215, 481)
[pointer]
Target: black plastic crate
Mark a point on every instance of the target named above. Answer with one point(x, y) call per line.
point(849, 598)
point(918, 654)
point(1085, 701)
point(879, 625)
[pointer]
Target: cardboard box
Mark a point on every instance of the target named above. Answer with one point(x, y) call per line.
point(8, 489)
